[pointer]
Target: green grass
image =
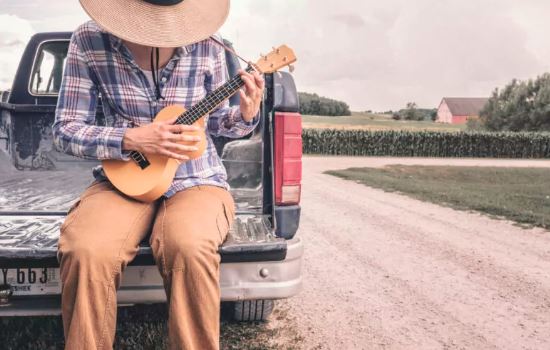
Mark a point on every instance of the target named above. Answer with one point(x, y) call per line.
point(365, 121)
point(144, 327)
point(518, 194)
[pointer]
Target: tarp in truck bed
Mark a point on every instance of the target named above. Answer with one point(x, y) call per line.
point(33, 205)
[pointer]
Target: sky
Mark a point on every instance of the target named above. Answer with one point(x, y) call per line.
point(375, 55)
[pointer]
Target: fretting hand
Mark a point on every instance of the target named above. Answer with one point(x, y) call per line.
point(251, 94)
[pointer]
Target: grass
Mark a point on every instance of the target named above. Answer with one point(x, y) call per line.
point(365, 121)
point(144, 327)
point(518, 194)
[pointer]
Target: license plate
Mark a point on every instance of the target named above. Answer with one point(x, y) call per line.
point(30, 281)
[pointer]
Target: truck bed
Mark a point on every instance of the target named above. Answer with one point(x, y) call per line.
point(33, 204)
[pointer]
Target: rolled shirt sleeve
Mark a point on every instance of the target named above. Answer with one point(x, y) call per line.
point(74, 129)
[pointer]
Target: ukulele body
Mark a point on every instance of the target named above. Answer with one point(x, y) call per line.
point(150, 183)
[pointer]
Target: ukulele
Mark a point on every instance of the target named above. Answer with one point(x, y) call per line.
point(146, 177)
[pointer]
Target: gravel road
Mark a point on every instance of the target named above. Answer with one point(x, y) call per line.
point(386, 271)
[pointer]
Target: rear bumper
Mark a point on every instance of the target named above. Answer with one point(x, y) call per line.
point(143, 284)
point(244, 281)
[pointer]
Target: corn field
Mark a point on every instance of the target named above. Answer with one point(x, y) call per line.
point(426, 143)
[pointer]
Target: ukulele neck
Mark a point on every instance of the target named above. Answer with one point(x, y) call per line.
point(212, 100)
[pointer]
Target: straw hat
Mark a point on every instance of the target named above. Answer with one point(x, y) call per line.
point(159, 23)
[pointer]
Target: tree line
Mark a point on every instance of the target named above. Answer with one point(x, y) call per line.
point(519, 106)
point(313, 104)
point(412, 112)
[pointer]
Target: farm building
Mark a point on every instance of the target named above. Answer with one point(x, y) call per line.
point(457, 110)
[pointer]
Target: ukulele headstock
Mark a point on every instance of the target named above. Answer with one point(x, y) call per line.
point(280, 57)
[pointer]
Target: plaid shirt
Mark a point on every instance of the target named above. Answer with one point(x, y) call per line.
point(99, 63)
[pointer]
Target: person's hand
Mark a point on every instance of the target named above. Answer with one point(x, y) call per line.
point(251, 94)
point(161, 138)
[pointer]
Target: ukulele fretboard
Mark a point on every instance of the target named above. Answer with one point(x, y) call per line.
point(205, 106)
point(212, 100)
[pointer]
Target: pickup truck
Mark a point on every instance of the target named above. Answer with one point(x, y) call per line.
point(261, 258)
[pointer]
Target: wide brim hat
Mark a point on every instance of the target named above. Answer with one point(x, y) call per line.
point(159, 23)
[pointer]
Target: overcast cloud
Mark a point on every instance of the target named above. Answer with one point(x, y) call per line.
point(373, 54)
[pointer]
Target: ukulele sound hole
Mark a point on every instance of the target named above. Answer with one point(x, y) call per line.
point(140, 160)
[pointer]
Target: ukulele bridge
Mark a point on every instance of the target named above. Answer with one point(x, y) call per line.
point(140, 160)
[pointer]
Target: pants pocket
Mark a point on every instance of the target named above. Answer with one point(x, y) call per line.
point(95, 188)
point(71, 215)
point(225, 219)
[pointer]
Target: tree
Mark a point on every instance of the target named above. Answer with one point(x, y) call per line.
point(313, 104)
point(410, 111)
point(519, 106)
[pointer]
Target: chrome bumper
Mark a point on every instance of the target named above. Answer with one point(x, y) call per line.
point(143, 284)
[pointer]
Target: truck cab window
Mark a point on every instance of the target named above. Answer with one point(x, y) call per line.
point(48, 68)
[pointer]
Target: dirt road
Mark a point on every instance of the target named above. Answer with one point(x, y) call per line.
point(386, 271)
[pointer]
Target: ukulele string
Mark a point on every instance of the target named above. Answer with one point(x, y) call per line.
point(210, 102)
point(203, 107)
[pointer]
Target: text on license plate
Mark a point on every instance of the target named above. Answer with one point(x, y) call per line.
point(32, 281)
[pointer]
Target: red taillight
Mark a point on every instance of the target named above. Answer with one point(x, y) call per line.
point(288, 158)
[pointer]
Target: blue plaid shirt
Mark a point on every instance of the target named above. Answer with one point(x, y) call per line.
point(98, 63)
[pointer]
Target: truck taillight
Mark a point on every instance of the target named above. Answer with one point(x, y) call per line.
point(288, 158)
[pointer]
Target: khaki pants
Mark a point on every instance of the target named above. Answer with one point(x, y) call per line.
point(100, 236)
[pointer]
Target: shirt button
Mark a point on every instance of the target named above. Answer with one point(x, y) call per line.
point(154, 103)
point(163, 79)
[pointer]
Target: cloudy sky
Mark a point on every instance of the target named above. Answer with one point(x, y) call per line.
point(373, 54)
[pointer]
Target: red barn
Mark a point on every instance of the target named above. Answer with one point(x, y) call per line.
point(457, 110)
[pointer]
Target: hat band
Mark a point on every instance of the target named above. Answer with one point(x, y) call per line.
point(164, 2)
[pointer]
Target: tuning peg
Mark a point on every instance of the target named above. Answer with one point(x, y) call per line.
point(277, 50)
point(291, 68)
point(264, 57)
